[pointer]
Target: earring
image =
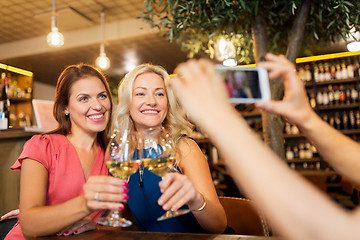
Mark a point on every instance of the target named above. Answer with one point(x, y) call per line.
point(66, 114)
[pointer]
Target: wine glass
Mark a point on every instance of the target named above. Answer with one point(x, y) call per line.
point(159, 158)
point(118, 159)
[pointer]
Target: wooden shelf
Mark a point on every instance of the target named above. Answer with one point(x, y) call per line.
point(300, 160)
point(348, 80)
point(338, 106)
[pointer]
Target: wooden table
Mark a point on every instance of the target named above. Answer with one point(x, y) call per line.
point(107, 233)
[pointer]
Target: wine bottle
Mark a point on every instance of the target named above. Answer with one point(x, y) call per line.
point(4, 104)
point(337, 121)
point(332, 71)
point(327, 74)
point(354, 94)
point(350, 68)
point(321, 73)
point(352, 120)
point(316, 72)
point(336, 94)
point(307, 73)
point(325, 98)
point(344, 71)
point(338, 74)
point(345, 121)
point(330, 94)
point(342, 96)
point(289, 153)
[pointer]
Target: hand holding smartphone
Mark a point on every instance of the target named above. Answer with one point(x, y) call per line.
point(246, 84)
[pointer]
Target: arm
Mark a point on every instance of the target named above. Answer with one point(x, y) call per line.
point(295, 208)
point(185, 189)
point(37, 219)
point(337, 149)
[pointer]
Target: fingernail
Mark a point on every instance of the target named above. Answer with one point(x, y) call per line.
point(121, 207)
point(58, 234)
point(125, 184)
point(76, 232)
point(126, 197)
point(66, 233)
point(125, 190)
point(160, 202)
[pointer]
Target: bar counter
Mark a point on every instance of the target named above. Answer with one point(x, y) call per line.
point(107, 233)
point(11, 144)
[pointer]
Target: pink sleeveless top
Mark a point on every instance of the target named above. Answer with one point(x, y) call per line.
point(65, 174)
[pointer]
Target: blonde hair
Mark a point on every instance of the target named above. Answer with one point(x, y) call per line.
point(175, 122)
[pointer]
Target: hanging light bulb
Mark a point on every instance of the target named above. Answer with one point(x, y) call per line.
point(353, 46)
point(225, 51)
point(102, 61)
point(54, 38)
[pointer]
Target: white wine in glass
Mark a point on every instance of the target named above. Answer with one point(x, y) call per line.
point(118, 159)
point(159, 158)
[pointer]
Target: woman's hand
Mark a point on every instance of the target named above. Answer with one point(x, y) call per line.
point(200, 89)
point(105, 192)
point(177, 190)
point(85, 224)
point(294, 106)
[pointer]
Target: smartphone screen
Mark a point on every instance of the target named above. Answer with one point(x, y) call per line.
point(246, 84)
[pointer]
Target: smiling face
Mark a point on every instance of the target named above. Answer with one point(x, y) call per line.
point(89, 106)
point(149, 101)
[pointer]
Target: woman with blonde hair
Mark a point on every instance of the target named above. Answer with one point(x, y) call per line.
point(146, 102)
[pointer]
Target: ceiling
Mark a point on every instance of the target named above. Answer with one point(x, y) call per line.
point(25, 24)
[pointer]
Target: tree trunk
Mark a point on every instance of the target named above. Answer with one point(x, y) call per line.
point(297, 32)
point(272, 124)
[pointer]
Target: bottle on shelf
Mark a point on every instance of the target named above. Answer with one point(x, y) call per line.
point(345, 121)
point(342, 96)
point(319, 98)
point(344, 71)
point(307, 73)
point(354, 94)
point(357, 117)
point(301, 72)
point(356, 69)
point(352, 121)
point(4, 104)
point(327, 74)
point(325, 98)
point(316, 72)
point(308, 151)
point(321, 73)
point(348, 96)
point(338, 73)
point(330, 94)
point(312, 100)
point(289, 153)
point(302, 153)
point(336, 94)
point(350, 68)
point(337, 121)
point(332, 71)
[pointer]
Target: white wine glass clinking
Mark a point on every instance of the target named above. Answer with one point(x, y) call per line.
point(159, 158)
point(118, 159)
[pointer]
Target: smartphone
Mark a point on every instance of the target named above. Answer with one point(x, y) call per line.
point(246, 84)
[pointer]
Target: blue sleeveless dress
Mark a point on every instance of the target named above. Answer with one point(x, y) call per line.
point(144, 193)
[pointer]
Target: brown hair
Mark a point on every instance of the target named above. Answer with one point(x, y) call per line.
point(67, 78)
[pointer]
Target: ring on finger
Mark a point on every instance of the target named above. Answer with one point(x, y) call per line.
point(96, 197)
